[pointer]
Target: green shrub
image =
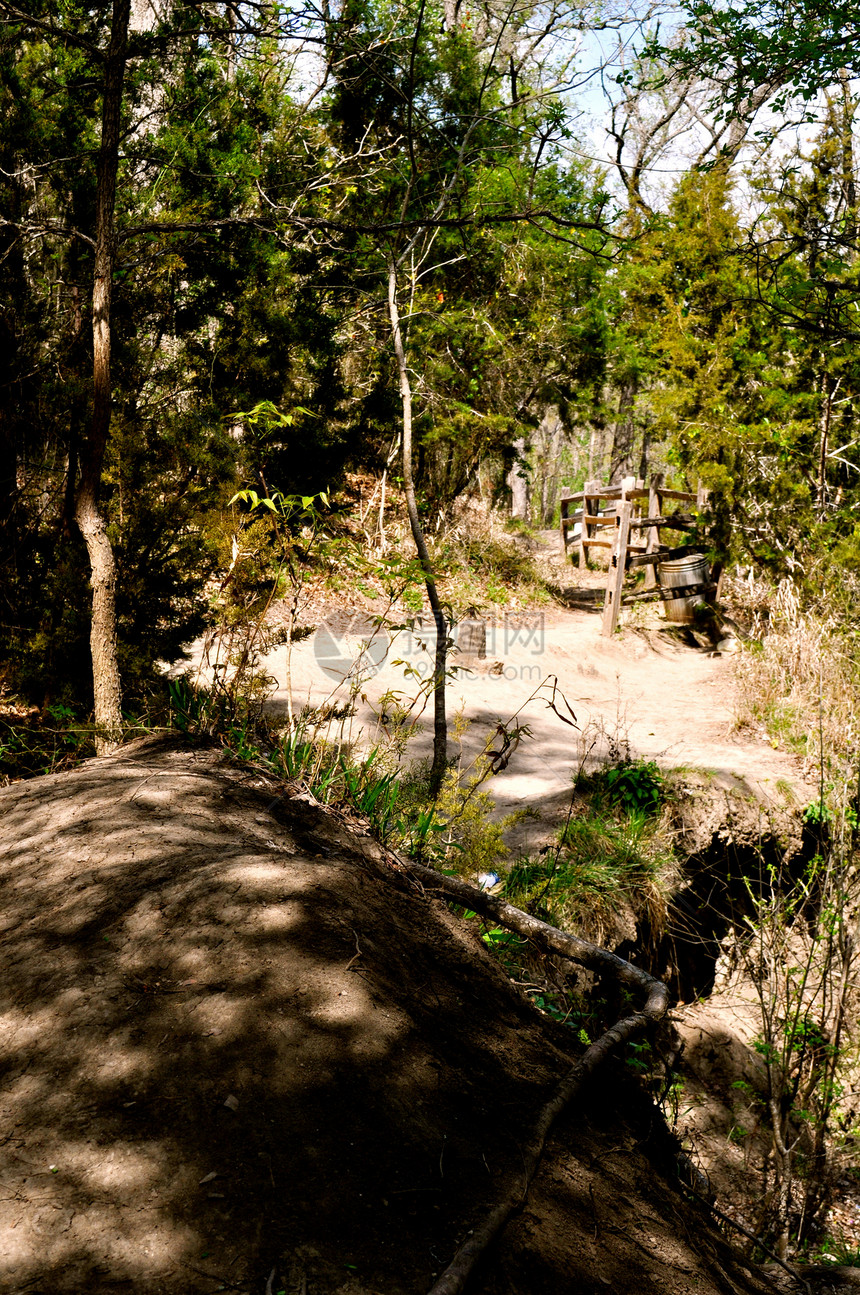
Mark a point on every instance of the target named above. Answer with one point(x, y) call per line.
point(634, 786)
point(603, 867)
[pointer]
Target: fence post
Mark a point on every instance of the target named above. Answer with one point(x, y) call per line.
point(584, 532)
point(652, 543)
point(617, 565)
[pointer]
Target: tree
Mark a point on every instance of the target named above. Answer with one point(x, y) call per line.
point(495, 241)
point(744, 399)
point(232, 235)
point(802, 258)
point(106, 681)
point(793, 50)
point(169, 259)
point(75, 51)
point(661, 105)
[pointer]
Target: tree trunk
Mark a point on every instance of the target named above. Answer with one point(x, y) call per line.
point(849, 180)
point(519, 482)
point(823, 434)
point(552, 429)
point(440, 723)
point(106, 683)
point(15, 279)
point(592, 441)
point(452, 13)
point(645, 456)
point(622, 443)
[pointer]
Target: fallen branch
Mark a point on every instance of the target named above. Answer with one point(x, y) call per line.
point(548, 937)
point(455, 1276)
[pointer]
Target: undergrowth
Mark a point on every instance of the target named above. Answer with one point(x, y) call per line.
point(455, 830)
point(486, 566)
point(279, 562)
point(34, 743)
point(612, 860)
point(604, 868)
point(799, 684)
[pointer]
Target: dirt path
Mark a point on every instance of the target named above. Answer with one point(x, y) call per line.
point(642, 691)
point(240, 1051)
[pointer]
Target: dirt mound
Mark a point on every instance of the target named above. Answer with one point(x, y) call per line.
point(241, 1052)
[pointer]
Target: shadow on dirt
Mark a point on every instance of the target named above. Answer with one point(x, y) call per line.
point(578, 599)
point(240, 1051)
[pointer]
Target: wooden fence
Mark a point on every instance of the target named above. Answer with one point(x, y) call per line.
point(628, 521)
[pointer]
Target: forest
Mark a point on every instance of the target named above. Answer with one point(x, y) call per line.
point(310, 305)
point(590, 242)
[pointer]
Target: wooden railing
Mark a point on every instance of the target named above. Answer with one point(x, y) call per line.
point(615, 518)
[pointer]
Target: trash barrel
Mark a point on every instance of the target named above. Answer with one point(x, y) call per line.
point(683, 573)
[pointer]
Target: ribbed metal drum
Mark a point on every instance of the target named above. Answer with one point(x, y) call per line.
point(681, 573)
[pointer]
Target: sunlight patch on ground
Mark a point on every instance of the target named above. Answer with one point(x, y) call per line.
point(118, 1066)
point(119, 1169)
point(278, 917)
point(258, 873)
point(129, 1247)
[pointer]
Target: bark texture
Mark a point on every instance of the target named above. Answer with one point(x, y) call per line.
point(106, 681)
point(621, 464)
point(519, 482)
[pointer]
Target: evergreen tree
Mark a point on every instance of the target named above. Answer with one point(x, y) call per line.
point(208, 314)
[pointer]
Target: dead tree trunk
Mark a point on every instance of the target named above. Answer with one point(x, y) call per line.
point(547, 461)
point(823, 434)
point(106, 682)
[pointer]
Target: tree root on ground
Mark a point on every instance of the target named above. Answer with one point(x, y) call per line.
point(453, 1279)
point(751, 1236)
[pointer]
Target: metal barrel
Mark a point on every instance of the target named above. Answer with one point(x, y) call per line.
point(681, 573)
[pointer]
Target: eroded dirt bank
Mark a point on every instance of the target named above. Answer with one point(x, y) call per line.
point(241, 1052)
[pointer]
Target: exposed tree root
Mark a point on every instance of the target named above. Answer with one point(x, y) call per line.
point(751, 1236)
point(455, 1276)
point(548, 937)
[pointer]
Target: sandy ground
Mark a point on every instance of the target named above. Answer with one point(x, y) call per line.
point(643, 692)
